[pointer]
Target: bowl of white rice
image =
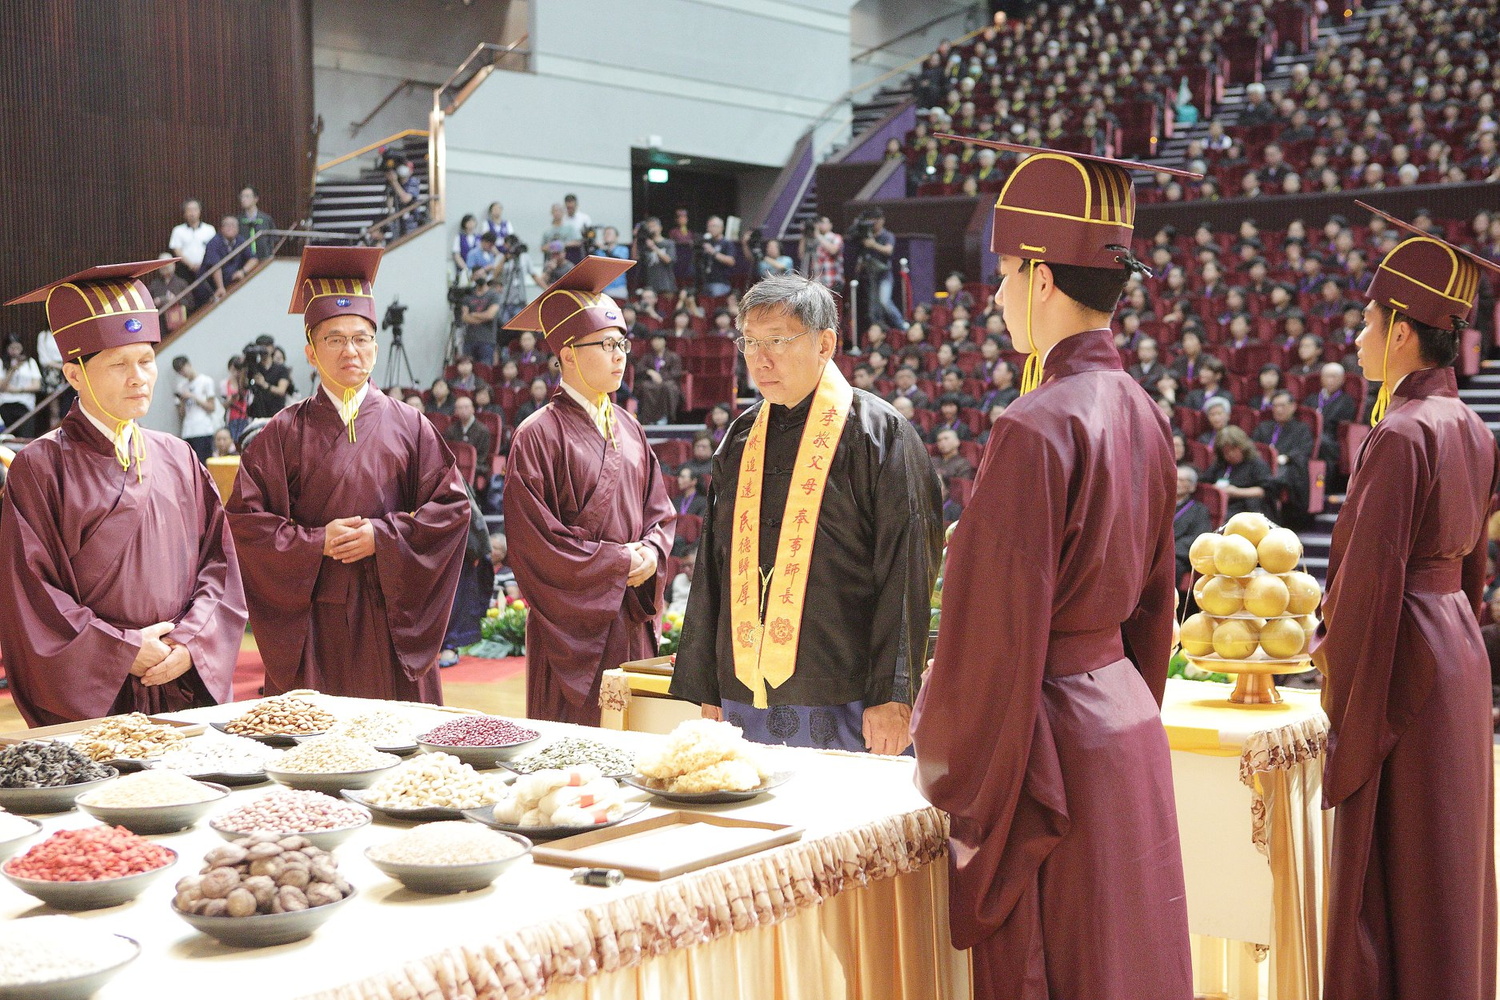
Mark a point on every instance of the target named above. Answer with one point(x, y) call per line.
point(447, 857)
point(150, 802)
point(59, 958)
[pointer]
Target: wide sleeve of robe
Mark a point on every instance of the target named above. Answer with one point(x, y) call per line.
point(37, 584)
point(419, 553)
point(212, 626)
point(566, 576)
point(908, 551)
point(279, 558)
point(998, 593)
point(695, 674)
point(659, 532)
point(1147, 633)
point(1362, 613)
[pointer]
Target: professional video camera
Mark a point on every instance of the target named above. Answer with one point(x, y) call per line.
point(389, 160)
point(395, 318)
point(641, 236)
point(257, 357)
point(513, 245)
point(755, 243)
point(860, 230)
point(590, 240)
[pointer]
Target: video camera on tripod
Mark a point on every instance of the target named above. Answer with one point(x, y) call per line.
point(394, 319)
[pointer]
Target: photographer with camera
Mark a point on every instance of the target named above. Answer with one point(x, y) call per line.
point(482, 259)
point(658, 257)
point(609, 246)
point(823, 254)
point(877, 245)
point(479, 314)
point(715, 260)
point(270, 380)
point(510, 277)
point(405, 188)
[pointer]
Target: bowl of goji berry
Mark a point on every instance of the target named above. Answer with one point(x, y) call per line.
point(89, 868)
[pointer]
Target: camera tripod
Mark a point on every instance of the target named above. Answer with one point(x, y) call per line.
point(397, 361)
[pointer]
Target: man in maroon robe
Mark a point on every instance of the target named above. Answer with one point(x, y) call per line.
point(586, 512)
point(349, 512)
point(1038, 729)
point(1410, 768)
point(119, 590)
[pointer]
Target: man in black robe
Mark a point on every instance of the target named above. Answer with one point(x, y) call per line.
point(1293, 441)
point(875, 534)
point(1191, 518)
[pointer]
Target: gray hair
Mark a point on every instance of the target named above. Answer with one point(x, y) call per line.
point(796, 295)
point(1190, 472)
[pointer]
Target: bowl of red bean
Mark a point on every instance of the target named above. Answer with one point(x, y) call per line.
point(89, 868)
point(325, 821)
point(479, 740)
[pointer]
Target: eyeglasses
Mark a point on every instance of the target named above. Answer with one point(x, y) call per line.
point(609, 344)
point(361, 341)
point(771, 345)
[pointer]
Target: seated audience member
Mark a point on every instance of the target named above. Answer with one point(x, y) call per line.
point(702, 460)
point(1216, 411)
point(903, 406)
point(1168, 388)
point(1309, 356)
point(236, 265)
point(880, 365)
point(510, 378)
point(1191, 518)
point(958, 337)
point(1179, 446)
point(945, 356)
point(718, 422)
point(484, 401)
point(722, 325)
point(1148, 367)
point(953, 385)
point(536, 398)
point(658, 383)
point(523, 350)
point(955, 294)
point(949, 419)
point(416, 402)
point(1002, 391)
point(989, 357)
point(1268, 384)
point(466, 427)
point(224, 443)
point(915, 350)
point(440, 398)
point(646, 309)
point(877, 341)
point(991, 415)
point(682, 583)
point(906, 388)
point(1191, 358)
point(948, 462)
point(165, 284)
point(1337, 407)
point(1293, 441)
point(1245, 478)
point(689, 498)
point(952, 509)
point(465, 378)
point(1210, 384)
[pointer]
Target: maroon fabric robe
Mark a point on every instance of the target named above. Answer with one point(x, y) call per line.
point(572, 502)
point(89, 556)
point(1038, 730)
point(1410, 766)
point(369, 629)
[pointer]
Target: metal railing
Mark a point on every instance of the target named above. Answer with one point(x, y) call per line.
point(206, 275)
point(481, 62)
point(404, 85)
point(372, 146)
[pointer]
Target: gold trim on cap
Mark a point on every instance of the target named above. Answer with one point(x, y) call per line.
point(1453, 275)
point(584, 300)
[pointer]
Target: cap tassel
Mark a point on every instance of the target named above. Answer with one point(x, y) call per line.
point(1383, 397)
point(605, 421)
point(124, 452)
point(1031, 375)
point(349, 408)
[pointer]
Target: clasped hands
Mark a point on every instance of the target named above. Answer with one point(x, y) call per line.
point(160, 659)
point(642, 563)
point(349, 539)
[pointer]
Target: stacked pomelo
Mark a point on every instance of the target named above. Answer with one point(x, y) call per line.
point(1251, 594)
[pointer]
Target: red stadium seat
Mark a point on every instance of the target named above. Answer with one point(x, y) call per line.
point(1215, 500)
point(689, 528)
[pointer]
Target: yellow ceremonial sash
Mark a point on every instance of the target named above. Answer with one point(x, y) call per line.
point(758, 610)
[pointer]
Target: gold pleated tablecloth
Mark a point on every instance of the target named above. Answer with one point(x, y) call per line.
point(856, 908)
point(1255, 839)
